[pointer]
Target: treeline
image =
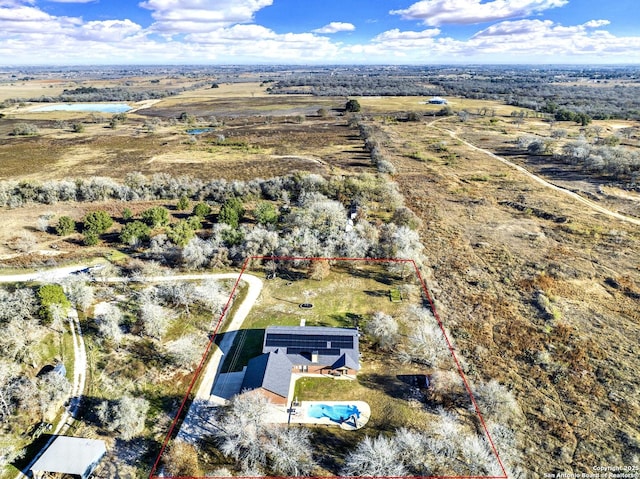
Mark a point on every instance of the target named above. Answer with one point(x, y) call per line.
point(609, 93)
point(350, 84)
point(98, 94)
point(598, 102)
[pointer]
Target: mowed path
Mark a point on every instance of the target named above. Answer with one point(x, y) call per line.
point(542, 181)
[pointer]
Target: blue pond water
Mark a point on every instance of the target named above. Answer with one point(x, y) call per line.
point(339, 413)
point(97, 107)
point(199, 131)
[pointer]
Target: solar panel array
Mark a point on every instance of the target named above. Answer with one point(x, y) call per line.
point(300, 343)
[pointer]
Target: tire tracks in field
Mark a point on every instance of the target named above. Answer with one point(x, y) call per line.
point(594, 206)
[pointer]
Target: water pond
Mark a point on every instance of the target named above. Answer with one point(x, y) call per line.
point(199, 131)
point(95, 107)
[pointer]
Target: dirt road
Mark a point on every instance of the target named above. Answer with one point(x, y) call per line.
point(544, 182)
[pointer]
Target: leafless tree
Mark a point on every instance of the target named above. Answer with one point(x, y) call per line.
point(109, 321)
point(155, 319)
point(127, 415)
point(383, 329)
point(377, 456)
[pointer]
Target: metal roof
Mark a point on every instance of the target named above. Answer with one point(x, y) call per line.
point(271, 371)
point(71, 455)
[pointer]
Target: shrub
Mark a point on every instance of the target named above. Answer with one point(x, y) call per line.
point(134, 232)
point(24, 129)
point(97, 222)
point(156, 216)
point(352, 106)
point(65, 226)
point(202, 210)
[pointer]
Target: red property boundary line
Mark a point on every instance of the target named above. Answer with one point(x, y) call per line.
point(196, 375)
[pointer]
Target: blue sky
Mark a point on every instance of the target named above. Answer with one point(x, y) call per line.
point(64, 32)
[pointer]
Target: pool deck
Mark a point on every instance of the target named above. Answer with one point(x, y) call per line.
point(298, 414)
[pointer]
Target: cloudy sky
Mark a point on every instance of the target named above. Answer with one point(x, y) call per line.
point(72, 32)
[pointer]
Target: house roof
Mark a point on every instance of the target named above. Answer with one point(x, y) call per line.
point(71, 455)
point(271, 371)
point(287, 346)
point(301, 342)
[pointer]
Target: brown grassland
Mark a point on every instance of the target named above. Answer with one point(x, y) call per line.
point(572, 367)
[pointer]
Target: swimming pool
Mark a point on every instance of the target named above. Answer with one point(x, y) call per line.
point(97, 107)
point(338, 413)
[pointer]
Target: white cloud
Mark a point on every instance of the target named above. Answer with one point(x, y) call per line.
point(335, 27)
point(596, 23)
point(192, 16)
point(107, 31)
point(257, 43)
point(466, 12)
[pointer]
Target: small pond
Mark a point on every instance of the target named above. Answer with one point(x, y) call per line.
point(199, 131)
point(95, 107)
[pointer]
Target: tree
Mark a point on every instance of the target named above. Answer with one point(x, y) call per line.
point(426, 343)
point(50, 294)
point(127, 214)
point(65, 226)
point(127, 415)
point(266, 213)
point(352, 106)
point(181, 460)
point(374, 457)
point(134, 232)
point(231, 212)
point(183, 203)
point(77, 127)
point(383, 329)
point(202, 210)
point(185, 351)
point(155, 319)
point(97, 222)
point(181, 233)
point(156, 216)
point(79, 292)
point(52, 389)
point(319, 269)
point(109, 320)
point(91, 238)
point(245, 435)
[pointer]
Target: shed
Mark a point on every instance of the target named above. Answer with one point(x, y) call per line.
point(75, 456)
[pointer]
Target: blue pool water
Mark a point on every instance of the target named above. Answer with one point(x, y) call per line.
point(338, 413)
point(97, 107)
point(199, 131)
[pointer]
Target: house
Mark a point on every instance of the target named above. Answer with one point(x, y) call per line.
point(300, 349)
point(74, 456)
point(436, 100)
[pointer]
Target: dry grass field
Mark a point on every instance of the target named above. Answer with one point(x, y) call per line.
point(571, 360)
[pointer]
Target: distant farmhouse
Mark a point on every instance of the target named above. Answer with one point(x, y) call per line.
point(436, 100)
point(302, 350)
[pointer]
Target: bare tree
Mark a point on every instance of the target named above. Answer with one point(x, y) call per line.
point(155, 318)
point(383, 329)
point(187, 350)
point(109, 320)
point(289, 452)
point(127, 415)
point(426, 344)
point(79, 292)
point(375, 457)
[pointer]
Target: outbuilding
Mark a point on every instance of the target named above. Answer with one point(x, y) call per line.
point(436, 100)
point(74, 456)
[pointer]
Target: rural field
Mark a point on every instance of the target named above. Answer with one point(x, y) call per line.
point(525, 228)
